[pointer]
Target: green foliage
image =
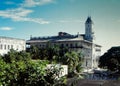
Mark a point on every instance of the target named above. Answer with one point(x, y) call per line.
point(2, 71)
point(73, 60)
point(47, 53)
point(57, 54)
point(18, 69)
point(111, 59)
point(14, 56)
point(52, 77)
point(34, 52)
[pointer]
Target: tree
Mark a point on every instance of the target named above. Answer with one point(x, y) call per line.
point(111, 59)
point(47, 53)
point(20, 70)
point(10, 57)
point(58, 54)
point(74, 62)
point(34, 51)
point(2, 72)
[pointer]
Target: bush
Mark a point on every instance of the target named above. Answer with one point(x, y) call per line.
point(20, 70)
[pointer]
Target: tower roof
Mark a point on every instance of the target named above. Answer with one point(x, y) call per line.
point(89, 20)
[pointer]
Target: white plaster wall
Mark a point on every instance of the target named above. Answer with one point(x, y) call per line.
point(10, 43)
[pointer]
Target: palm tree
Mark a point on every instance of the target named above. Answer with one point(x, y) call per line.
point(73, 60)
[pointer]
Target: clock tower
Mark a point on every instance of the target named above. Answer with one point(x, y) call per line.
point(89, 34)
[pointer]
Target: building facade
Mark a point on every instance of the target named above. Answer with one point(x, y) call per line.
point(83, 43)
point(7, 43)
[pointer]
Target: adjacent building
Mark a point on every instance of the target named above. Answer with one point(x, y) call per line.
point(79, 43)
point(7, 43)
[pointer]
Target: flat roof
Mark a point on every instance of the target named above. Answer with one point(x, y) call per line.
point(3, 37)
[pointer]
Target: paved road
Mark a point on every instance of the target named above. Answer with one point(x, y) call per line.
point(93, 82)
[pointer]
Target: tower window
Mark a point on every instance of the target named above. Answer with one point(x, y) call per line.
point(88, 25)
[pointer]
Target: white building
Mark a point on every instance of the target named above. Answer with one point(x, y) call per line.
point(80, 43)
point(63, 69)
point(7, 43)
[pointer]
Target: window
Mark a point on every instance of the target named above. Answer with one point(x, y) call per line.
point(71, 45)
point(11, 46)
point(62, 45)
point(43, 46)
point(76, 45)
point(88, 26)
point(8, 47)
point(86, 63)
point(66, 45)
point(1, 46)
point(5, 47)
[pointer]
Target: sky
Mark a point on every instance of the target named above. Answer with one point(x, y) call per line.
point(23, 18)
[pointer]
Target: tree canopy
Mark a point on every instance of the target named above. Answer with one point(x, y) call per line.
point(18, 69)
point(111, 59)
point(60, 56)
point(29, 68)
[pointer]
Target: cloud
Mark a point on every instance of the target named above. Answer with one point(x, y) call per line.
point(15, 13)
point(20, 14)
point(6, 28)
point(33, 3)
point(38, 20)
